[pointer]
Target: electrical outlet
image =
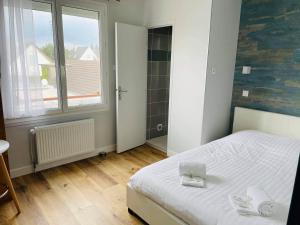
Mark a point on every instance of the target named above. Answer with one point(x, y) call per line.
point(245, 93)
point(159, 127)
point(246, 70)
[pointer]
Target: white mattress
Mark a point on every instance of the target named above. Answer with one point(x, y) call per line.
point(233, 163)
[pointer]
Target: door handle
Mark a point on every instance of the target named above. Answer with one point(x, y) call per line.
point(120, 91)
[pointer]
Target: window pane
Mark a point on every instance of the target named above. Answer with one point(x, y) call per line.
point(44, 48)
point(82, 56)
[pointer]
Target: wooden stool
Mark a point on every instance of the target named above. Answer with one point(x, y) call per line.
point(4, 145)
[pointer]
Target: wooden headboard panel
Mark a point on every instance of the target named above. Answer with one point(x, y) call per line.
point(273, 123)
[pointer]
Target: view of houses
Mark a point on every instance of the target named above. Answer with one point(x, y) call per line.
point(82, 73)
point(82, 57)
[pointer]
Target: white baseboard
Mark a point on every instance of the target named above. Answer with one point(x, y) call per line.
point(21, 171)
point(171, 153)
point(107, 149)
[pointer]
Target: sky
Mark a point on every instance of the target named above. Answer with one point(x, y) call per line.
point(78, 31)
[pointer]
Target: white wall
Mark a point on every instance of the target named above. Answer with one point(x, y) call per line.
point(191, 25)
point(127, 11)
point(222, 54)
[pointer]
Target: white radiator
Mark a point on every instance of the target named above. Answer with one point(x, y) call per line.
point(65, 140)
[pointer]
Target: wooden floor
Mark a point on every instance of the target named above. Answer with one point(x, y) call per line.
point(88, 192)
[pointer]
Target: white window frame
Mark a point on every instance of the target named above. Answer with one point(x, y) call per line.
point(58, 38)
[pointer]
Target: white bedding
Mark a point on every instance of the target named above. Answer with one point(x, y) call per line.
point(233, 163)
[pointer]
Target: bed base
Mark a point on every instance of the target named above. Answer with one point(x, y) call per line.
point(149, 211)
point(137, 216)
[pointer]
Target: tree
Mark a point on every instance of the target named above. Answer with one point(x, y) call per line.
point(48, 50)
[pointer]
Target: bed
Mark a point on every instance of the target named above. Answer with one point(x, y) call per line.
point(254, 155)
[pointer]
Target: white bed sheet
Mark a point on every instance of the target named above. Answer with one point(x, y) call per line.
point(233, 163)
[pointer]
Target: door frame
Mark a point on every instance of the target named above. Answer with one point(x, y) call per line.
point(171, 69)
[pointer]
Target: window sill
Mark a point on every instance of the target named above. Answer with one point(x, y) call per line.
point(55, 115)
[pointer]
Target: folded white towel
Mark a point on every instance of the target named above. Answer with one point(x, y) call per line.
point(192, 169)
point(242, 205)
point(261, 202)
point(193, 181)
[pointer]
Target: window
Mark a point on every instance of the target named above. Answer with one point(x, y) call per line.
point(82, 56)
point(62, 66)
point(45, 51)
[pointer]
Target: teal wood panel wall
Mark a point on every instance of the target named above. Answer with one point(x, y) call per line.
point(269, 42)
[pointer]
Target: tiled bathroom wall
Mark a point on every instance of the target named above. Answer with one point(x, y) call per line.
point(159, 58)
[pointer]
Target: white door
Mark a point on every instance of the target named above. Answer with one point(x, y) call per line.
point(131, 85)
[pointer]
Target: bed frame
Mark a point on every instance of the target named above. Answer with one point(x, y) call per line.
point(244, 119)
point(268, 122)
